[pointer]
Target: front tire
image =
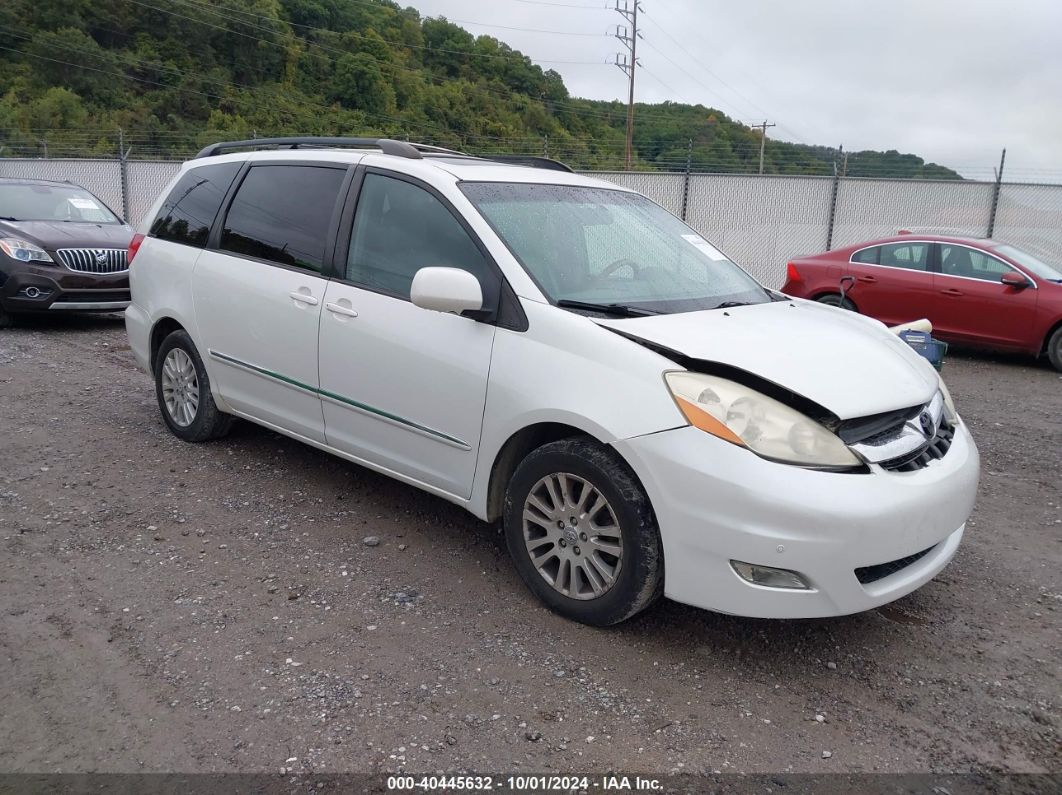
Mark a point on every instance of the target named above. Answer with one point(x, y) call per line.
point(835, 299)
point(7, 320)
point(182, 388)
point(1054, 349)
point(582, 532)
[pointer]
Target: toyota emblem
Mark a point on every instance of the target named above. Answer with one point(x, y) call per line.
point(927, 423)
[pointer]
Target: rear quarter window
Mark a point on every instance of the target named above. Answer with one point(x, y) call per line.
point(188, 212)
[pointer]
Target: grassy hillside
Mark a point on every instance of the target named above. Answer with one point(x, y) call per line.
point(176, 74)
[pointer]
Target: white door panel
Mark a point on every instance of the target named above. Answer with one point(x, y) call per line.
point(404, 387)
point(259, 325)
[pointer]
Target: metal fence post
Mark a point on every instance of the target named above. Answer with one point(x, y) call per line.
point(995, 195)
point(686, 180)
point(833, 207)
point(123, 168)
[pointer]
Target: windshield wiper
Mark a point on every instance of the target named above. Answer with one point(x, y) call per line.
point(731, 304)
point(7, 218)
point(622, 310)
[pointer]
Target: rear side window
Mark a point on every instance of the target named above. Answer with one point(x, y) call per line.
point(282, 214)
point(189, 210)
point(867, 256)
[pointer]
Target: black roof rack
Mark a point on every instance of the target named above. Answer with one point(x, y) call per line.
point(531, 161)
point(385, 145)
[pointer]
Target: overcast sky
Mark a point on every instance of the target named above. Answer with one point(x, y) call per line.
point(953, 81)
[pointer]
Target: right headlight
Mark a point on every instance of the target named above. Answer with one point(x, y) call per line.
point(748, 418)
point(23, 250)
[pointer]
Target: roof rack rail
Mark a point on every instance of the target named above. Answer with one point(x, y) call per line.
point(386, 145)
point(531, 161)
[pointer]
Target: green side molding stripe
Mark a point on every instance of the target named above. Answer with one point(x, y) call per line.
point(340, 399)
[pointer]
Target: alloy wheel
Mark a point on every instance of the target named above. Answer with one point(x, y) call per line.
point(572, 536)
point(180, 387)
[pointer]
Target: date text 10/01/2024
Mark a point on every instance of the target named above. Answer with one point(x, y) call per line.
point(525, 783)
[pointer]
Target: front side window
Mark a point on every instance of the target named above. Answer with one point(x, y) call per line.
point(40, 201)
point(282, 214)
point(601, 246)
point(189, 211)
point(970, 263)
point(400, 228)
point(910, 256)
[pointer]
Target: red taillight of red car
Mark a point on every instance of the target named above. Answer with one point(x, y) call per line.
point(134, 246)
point(791, 273)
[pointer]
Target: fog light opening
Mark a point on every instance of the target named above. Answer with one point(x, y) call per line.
point(34, 292)
point(770, 577)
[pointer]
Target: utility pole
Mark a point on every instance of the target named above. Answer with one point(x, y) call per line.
point(629, 38)
point(763, 138)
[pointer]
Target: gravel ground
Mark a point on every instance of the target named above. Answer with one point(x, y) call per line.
point(174, 607)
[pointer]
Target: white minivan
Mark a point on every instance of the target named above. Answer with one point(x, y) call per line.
point(560, 354)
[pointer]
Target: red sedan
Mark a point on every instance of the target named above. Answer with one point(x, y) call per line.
point(975, 292)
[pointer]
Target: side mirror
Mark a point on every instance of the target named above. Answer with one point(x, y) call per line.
point(1013, 279)
point(446, 290)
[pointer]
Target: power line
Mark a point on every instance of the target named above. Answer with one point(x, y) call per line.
point(703, 66)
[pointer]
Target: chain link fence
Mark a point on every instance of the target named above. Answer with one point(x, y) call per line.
point(761, 222)
point(146, 179)
point(1030, 217)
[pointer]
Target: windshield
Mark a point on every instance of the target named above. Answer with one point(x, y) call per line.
point(28, 201)
point(610, 248)
point(1052, 273)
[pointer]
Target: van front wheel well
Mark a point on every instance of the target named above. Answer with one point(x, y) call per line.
point(515, 450)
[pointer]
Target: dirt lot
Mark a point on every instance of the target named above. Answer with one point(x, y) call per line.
point(173, 607)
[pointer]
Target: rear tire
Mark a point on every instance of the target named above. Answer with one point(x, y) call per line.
point(182, 388)
point(835, 299)
point(1054, 350)
point(591, 551)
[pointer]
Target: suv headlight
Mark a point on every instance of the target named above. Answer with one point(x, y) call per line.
point(747, 418)
point(23, 250)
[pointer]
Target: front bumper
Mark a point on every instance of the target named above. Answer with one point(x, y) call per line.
point(33, 287)
point(716, 502)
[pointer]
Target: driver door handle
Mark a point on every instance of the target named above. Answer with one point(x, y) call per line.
point(951, 291)
point(303, 298)
point(339, 309)
point(867, 279)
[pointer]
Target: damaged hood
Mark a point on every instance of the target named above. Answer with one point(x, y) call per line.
point(845, 362)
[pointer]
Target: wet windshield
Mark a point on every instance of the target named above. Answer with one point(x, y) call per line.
point(28, 201)
point(1052, 272)
point(610, 250)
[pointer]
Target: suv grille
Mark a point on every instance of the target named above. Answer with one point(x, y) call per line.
point(94, 260)
point(869, 574)
point(937, 449)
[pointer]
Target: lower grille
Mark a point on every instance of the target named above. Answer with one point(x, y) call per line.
point(92, 296)
point(937, 449)
point(869, 574)
point(94, 260)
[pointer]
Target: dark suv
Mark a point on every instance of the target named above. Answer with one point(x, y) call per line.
point(61, 248)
